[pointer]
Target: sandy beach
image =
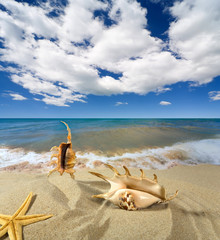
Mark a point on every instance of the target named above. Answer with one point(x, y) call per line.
point(194, 214)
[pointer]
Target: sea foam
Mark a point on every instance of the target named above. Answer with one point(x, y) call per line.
point(193, 152)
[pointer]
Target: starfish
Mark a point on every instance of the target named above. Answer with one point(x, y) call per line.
point(13, 224)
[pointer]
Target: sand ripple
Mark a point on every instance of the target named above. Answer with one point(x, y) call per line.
point(194, 214)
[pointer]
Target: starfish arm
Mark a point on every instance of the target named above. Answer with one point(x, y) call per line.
point(14, 231)
point(4, 219)
point(18, 231)
point(3, 229)
point(24, 207)
point(26, 220)
point(13, 224)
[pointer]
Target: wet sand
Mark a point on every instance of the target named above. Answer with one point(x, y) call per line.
point(194, 214)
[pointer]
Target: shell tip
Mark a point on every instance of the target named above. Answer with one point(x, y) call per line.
point(127, 172)
point(142, 173)
point(155, 178)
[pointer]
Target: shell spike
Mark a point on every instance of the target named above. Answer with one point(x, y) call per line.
point(113, 169)
point(127, 172)
point(99, 175)
point(172, 197)
point(132, 193)
point(99, 196)
point(69, 132)
point(155, 178)
point(142, 173)
point(50, 172)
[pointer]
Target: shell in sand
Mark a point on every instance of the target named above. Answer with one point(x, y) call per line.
point(131, 193)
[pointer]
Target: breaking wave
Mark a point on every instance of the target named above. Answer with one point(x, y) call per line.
point(205, 151)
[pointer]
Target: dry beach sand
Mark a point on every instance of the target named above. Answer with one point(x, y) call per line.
point(194, 214)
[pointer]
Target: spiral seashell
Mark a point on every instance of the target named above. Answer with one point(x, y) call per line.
point(131, 193)
point(66, 157)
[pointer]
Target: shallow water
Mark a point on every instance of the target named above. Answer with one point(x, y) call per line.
point(152, 143)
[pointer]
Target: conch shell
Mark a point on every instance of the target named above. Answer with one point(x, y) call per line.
point(66, 157)
point(131, 193)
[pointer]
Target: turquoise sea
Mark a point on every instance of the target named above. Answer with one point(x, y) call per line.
point(149, 143)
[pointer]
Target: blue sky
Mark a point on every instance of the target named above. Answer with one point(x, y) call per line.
point(125, 59)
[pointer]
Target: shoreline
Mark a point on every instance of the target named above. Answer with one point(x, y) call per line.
point(194, 214)
point(150, 157)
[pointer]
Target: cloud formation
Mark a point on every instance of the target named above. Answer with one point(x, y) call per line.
point(214, 95)
point(165, 103)
point(120, 103)
point(18, 97)
point(58, 57)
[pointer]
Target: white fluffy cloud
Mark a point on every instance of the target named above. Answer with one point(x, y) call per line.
point(18, 97)
point(165, 103)
point(195, 36)
point(59, 58)
point(214, 95)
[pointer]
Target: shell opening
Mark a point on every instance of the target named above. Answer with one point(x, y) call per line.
point(126, 201)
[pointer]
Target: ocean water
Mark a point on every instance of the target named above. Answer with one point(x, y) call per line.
point(148, 143)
